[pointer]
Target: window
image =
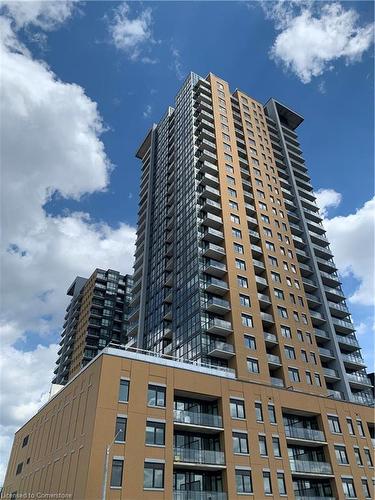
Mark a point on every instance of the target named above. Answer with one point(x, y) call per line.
point(308, 378)
point(276, 447)
point(263, 446)
point(272, 260)
point(267, 483)
point(232, 192)
point(365, 488)
point(242, 282)
point(348, 487)
point(357, 454)
point(155, 433)
point(247, 320)
point(278, 293)
point(120, 429)
point(117, 472)
point(243, 481)
point(230, 180)
point(19, 468)
point(236, 233)
point(318, 382)
point(300, 335)
point(293, 374)
point(334, 424)
point(286, 332)
point(349, 421)
point(360, 428)
point(238, 248)
point(368, 457)
point(275, 277)
point(265, 219)
point(250, 342)
point(240, 264)
point(268, 233)
point(270, 246)
point(237, 408)
point(156, 395)
point(233, 205)
point(283, 313)
point(290, 352)
point(252, 365)
point(153, 475)
point(341, 456)
point(244, 300)
point(304, 355)
point(240, 444)
point(25, 441)
point(229, 168)
point(271, 414)
point(281, 483)
point(234, 218)
point(258, 412)
point(124, 391)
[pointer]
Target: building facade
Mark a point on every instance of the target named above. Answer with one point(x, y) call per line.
point(187, 431)
point(96, 315)
point(232, 264)
point(241, 374)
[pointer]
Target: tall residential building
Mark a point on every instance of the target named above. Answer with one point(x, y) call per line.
point(232, 264)
point(97, 315)
point(241, 374)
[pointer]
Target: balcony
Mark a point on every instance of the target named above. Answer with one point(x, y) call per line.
point(267, 318)
point(212, 220)
point(208, 167)
point(277, 382)
point(310, 467)
point(215, 268)
point(210, 180)
point(342, 325)
point(317, 318)
point(309, 285)
point(214, 251)
point(197, 419)
point(334, 294)
point(213, 235)
point(330, 279)
point(312, 300)
point(258, 265)
point(261, 283)
point(184, 456)
point(353, 360)
point(214, 285)
point(359, 380)
point(210, 193)
point(211, 206)
point(326, 354)
point(273, 361)
point(218, 326)
point(199, 495)
point(302, 434)
point(311, 497)
point(363, 398)
point(338, 309)
point(270, 339)
point(335, 394)
point(254, 235)
point(217, 305)
point(221, 350)
point(264, 300)
point(256, 250)
point(331, 375)
point(349, 342)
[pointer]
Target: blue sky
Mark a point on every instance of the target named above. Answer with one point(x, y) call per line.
point(127, 62)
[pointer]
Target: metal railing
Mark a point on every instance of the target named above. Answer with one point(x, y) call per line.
point(199, 495)
point(312, 467)
point(197, 418)
point(302, 433)
point(189, 455)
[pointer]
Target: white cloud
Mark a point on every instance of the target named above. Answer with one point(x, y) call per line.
point(314, 35)
point(176, 63)
point(352, 241)
point(41, 13)
point(147, 111)
point(51, 145)
point(131, 35)
point(327, 198)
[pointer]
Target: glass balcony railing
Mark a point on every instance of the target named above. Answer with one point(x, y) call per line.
point(306, 434)
point(197, 418)
point(221, 346)
point(361, 378)
point(311, 497)
point(199, 495)
point(310, 467)
point(277, 382)
point(335, 394)
point(192, 456)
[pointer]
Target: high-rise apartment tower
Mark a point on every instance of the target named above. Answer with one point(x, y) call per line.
point(233, 266)
point(96, 315)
